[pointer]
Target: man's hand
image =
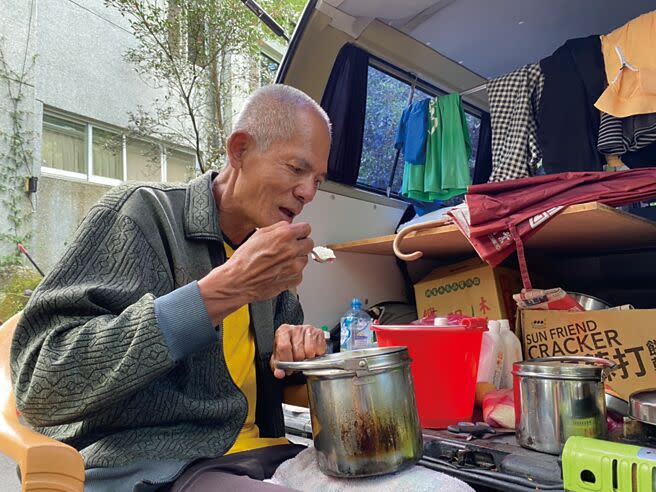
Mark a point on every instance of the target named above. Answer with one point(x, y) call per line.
point(269, 262)
point(296, 343)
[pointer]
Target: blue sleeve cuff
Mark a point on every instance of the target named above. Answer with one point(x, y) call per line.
point(184, 322)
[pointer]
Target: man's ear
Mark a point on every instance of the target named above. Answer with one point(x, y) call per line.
point(239, 143)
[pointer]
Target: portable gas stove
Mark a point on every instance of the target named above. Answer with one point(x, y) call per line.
point(491, 463)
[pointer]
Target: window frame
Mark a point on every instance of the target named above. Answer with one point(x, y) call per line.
point(408, 78)
point(95, 178)
point(53, 171)
point(268, 48)
point(162, 161)
point(89, 175)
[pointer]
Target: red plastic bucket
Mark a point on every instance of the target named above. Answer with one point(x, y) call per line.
point(444, 367)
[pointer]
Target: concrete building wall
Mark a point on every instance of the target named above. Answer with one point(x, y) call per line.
point(18, 45)
point(80, 65)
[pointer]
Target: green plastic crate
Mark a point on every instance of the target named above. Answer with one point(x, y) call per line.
point(593, 465)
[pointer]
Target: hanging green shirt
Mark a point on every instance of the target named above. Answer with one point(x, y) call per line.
point(448, 148)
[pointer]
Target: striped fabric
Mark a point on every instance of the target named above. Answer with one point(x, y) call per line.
point(617, 136)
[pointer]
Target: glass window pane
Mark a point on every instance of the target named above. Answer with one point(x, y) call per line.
point(107, 154)
point(474, 125)
point(268, 69)
point(180, 166)
point(63, 145)
point(143, 161)
point(387, 97)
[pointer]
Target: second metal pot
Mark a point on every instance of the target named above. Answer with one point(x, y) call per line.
point(363, 410)
point(556, 398)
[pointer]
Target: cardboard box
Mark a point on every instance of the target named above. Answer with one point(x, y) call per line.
point(470, 288)
point(625, 337)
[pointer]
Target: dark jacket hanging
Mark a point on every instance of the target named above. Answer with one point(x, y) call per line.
point(344, 99)
point(568, 124)
point(483, 168)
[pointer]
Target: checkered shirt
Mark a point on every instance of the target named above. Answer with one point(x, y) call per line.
point(514, 102)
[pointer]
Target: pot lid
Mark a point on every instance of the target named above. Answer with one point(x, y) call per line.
point(358, 362)
point(642, 406)
point(575, 367)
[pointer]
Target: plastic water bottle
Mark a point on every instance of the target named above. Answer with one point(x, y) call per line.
point(490, 366)
point(512, 352)
point(355, 327)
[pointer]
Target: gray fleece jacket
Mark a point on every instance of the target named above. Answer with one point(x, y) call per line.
point(115, 353)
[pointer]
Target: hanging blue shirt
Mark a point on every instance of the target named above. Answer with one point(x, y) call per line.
point(411, 132)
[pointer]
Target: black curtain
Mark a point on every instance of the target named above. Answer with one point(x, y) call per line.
point(483, 168)
point(345, 101)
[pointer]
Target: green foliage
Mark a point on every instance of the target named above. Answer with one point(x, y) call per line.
point(387, 97)
point(16, 155)
point(15, 281)
point(186, 47)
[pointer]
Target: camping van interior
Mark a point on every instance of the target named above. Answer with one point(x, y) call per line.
point(435, 47)
point(546, 107)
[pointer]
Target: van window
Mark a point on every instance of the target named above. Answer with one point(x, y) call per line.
point(387, 97)
point(268, 69)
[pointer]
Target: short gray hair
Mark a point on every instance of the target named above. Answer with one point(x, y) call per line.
point(269, 114)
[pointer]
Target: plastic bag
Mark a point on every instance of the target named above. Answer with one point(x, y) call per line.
point(499, 409)
point(551, 299)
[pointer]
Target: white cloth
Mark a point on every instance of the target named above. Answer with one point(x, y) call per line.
point(302, 473)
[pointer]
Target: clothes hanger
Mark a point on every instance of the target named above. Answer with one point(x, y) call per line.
point(623, 64)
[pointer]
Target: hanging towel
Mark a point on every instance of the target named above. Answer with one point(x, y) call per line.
point(514, 100)
point(568, 123)
point(412, 132)
point(448, 149)
point(630, 68)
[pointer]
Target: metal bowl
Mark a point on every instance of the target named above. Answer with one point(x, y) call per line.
point(616, 407)
point(589, 303)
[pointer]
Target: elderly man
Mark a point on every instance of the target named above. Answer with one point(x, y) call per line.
point(151, 345)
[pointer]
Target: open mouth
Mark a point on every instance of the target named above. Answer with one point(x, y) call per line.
point(288, 213)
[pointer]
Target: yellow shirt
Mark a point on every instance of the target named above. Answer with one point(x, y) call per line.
point(239, 352)
point(630, 91)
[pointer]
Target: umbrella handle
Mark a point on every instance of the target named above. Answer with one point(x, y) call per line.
point(396, 245)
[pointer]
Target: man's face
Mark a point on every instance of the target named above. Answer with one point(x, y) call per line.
point(276, 184)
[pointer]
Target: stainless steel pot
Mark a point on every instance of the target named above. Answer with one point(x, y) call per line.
point(642, 406)
point(363, 410)
point(642, 413)
point(588, 302)
point(558, 397)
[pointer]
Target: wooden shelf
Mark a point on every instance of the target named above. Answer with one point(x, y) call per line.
point(585, 227)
